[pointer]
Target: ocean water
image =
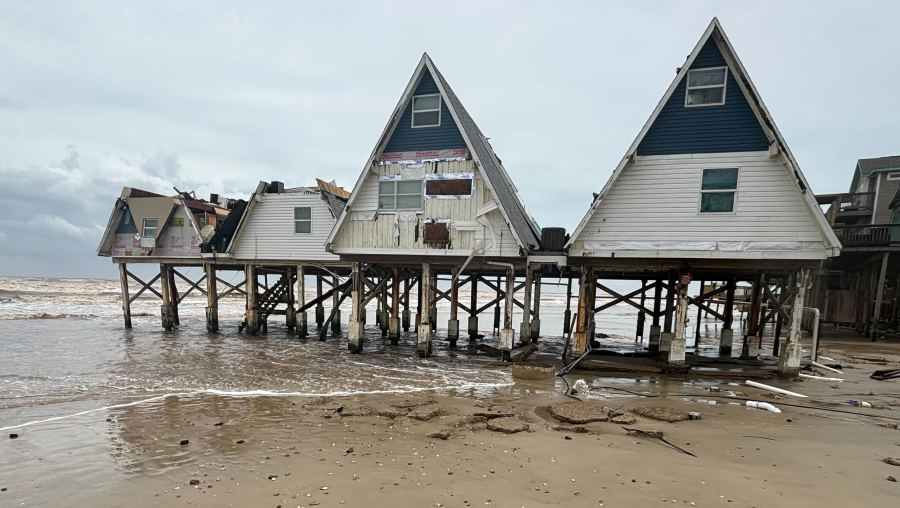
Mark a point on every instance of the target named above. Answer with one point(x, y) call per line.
point(65, 350)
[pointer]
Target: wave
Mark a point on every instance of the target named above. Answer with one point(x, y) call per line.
point(45, 315)
point(258, 393)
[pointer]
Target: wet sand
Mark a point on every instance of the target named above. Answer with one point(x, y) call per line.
point(301, 451)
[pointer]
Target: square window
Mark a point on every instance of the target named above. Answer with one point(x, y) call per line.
point(150, 228)
point(426, 111)
point(706, 87)
point(302, 219)
point(718, 189)
point(400, 195)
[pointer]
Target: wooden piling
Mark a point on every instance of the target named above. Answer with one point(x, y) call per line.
point(677, 343)
point(655, 329)
point(642, 316)
point(423, 346)
point(726, 339)
point(697, 333)
point(670, 303)
point(290, 316)
point(336, 306)
point(252, 289)
point(508, 334)
point(300, 316)
point(174, 298)
point(355, 325)
point(212, 299)
point(453, 324)
point(567, 314)
point(126, 296)
point(525, 327)
point(166, 315)
point(789, 360)
point(497, 309)
point(473, 307)
point(879, 294)
point(579, 336)
point(320, 307)
point(406, 313)
point(536, 314)
point(753, 315)
point(394, 321)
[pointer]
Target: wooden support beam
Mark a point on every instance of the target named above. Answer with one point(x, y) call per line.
point(212, 298)
point(508, 334)
point(496, 306)
point(619, 298)
point(789, 360)
point(166, 316)
point(336, 306)
point(879, 294)
point(405, 321)
point(355, 326)
point(697, 327)
point(174, 298)
point(300, 320)
point(424, 330)
point(473, 304)
point(394, 322)
point(339, 293)
point(536, 303)
point(670, 303)
point(232, 288)
point(145, 286)
point(290, 312)
point(642, 314)
point(126, 298)
point(753, 315)
point(567, 314)
point(320, 309)
point(580, 335)
point(453, 323)
point(251, 283)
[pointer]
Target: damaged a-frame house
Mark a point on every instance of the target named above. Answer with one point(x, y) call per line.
point(149, 228)
point(433, 198)
point(282, 233)
point(709, 190)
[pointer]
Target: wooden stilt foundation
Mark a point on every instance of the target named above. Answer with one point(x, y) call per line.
point(126, 296)
point(212, 299)
point(453, 323)
point(473, 308)
point(394, 321)
point(336, 307)
point(789, 361)
point(496, 329)
point(655, 329)
point(508, 334)
point(726, 341)
point(567, 314)
point(166, 313)
point(525, 327)
point(536, 313)
point(677, 342)
point(355, 331)
point(301, 321)
point(320, 308)
point(252, 311)
point(424, 329)
point(405, 318)
point(585, 308)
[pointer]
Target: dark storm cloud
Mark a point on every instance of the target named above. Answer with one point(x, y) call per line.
point(215, 96)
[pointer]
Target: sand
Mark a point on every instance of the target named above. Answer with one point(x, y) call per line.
point(430, 450)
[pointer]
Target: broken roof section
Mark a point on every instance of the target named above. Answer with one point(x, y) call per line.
point(523, 226)
point(137, 212)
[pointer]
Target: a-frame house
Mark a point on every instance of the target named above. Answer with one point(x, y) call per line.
point(433, 197)
point(708, 190)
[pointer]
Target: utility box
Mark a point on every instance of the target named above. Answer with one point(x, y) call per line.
point(553, 238)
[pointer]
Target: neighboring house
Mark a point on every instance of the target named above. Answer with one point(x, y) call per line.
point(708, 188)
point(148, 225)
point(288, 226)
point(434, 194)
point(433, 186)
point(873, 188)
point(283, 232)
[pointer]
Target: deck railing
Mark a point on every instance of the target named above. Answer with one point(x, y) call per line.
point(868, 235)
point(856, 201)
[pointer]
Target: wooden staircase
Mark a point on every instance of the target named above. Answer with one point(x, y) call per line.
point(272, 297)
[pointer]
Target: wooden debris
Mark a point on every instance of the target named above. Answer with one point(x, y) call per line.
point(658, 435)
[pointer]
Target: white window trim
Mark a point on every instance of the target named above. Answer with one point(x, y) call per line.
point(395, 194)
point(296, 220)
point(688, 88)
point(893, 175)
point(412, 105)
point(734, 203)
point(144, 227)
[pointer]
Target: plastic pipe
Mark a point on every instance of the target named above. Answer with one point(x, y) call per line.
point(821, 378)
point(762, 405)
point(774, 389)
point(825, 367)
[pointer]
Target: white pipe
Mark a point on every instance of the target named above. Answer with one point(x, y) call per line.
point(773, 389)
point(825, 367)
point(821, 378)
point(762, 405)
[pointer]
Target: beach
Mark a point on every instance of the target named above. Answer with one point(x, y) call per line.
point(104, 416)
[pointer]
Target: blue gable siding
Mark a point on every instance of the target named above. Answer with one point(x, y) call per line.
point(731, 127)
point(443, 137)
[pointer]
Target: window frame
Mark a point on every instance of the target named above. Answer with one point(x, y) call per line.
point(734, 191)
point(155, 227)
point(688, 87)
point(395, 195)
point(893, 175)
point(413, 111)
point(297, 221)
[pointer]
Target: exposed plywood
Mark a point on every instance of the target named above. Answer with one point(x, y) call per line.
point(268, 230)
point(179, 237)
point(404, 230)
point(656, 199)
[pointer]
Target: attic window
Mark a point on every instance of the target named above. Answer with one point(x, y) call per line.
point(426, 111)
point(718, 189)
point(894, 176)
point(149, 230)
point(706, 87)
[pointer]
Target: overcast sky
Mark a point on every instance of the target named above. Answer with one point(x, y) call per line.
point(216, 96)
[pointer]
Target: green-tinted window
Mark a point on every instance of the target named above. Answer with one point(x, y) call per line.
point(302, 219)
point(718, 190)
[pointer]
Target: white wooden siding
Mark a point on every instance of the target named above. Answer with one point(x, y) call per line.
point(495, 237)
point(656, 200)
point(268, 231)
